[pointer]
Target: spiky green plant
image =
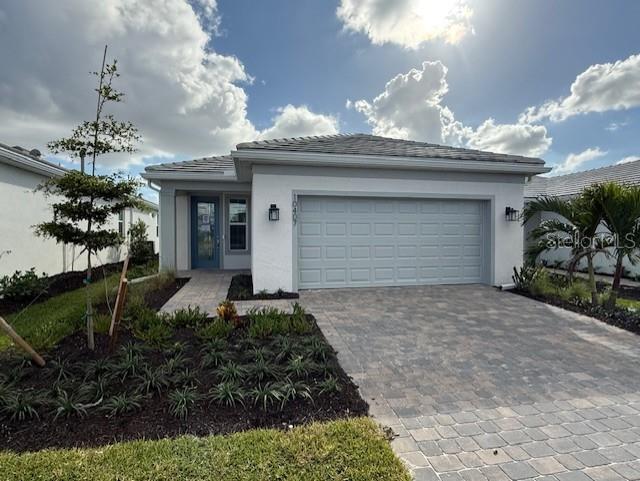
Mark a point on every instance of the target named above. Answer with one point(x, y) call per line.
point(329, 385)
point(190, 317)
point(182, 401)
point(152, 380)
point(231, 372)
point(262, 370)
point(60, 369)
point(67, 405)
point(22, 405)
point(266, 395)
point(123, 403)
point(295, 390)
point(299, 367)
point(227, 394)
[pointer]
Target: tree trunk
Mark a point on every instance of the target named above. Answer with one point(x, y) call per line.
point(89, 313)
point(592, 280)
point(615, 286)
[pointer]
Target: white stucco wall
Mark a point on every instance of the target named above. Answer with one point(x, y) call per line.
point(272, 262)
point(22, 208)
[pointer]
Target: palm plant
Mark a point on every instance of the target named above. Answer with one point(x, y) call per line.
point(620, 205)
point(579, 220)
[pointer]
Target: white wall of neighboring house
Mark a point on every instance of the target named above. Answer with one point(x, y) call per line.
point(272, 261)
point(602, 263)
point(21, 208)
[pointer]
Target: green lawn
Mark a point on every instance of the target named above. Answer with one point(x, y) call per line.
point(43, 325)
point(340, 450)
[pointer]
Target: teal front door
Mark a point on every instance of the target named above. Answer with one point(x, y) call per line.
point(205, 232)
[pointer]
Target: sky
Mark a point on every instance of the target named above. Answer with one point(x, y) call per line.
point(556, 79)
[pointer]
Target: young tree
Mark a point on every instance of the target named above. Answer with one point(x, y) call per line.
point(581, 217)
point(88, 201)
point(140, 247)
point(620, 205)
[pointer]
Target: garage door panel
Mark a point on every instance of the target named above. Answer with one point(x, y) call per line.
point(360, 241)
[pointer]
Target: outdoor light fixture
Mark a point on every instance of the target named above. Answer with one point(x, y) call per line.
point(274, 212)
point(511, 214)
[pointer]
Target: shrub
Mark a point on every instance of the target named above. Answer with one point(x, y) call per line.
point(231, 372)
point(284, 347)
point(299, 367)
point(152, 327)
point(141, 249)
point(227, 394)
point(299, 322)
point(174, 364)
point(542, 285)
point(97, 368)
point(227, 311)
point(295, 390)
point(317, 349)
point(329, 385)
point(59, 369)
point(525, 276)
point(212, 358)
point(190, 317)
point(575, 292)
point(6, 391)
point(21, 406)
point(23, 286)
point(185, 377)
point(261, 370)
point(182, 401)
point(95, 389)
point(267, 322)
point(122, 403)
point(266, 395)
point(129, 365)
point(67, 406)
point(152, 380)
point(218, 328)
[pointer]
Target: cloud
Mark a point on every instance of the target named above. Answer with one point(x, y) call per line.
point(613, 126)
point(298, 122)
point(626, 160)
point(408, 23)
point(522, 139)
point(411, 107)
point(573, 161)
point(185, 98)
point(600, 88)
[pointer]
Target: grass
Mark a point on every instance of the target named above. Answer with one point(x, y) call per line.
point(352, 449)
point(628, 303)
point(44, 324)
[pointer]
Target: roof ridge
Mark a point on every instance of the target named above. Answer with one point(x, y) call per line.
point(593, 170)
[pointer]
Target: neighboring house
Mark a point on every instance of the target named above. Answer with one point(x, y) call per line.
point(21, 171)
point(352, 210)
point(570, 185)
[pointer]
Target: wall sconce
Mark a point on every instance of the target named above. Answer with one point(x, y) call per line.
point(274, 212)
point(511, 214)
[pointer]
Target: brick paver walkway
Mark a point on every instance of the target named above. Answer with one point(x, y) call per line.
point(207, 288)
point(482, 384)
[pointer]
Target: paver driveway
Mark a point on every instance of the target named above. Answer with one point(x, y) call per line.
point(483, 384)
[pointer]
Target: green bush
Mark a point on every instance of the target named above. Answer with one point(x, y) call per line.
point(190, 317)
point(524, 277)
point(270, 321)
point(542, 285)
point(215, 329)
point(577, 291)
point(23, 286)
point(141, 248)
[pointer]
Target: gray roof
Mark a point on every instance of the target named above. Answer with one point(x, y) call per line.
point(365, 144)
point(34, 155)
point(571, 184)
point(208, 165)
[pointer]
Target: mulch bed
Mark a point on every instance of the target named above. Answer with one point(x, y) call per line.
point(618, 317)
point(241, 289)
point(154, 420)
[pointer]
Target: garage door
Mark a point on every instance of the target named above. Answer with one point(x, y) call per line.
point(355, 241)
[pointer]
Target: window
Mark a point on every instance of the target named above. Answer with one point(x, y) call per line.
point(121, 223)
point(237, 224)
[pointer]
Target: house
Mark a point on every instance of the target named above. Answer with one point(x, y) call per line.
point(21, 171)
point(569, 185)
point(345, 210)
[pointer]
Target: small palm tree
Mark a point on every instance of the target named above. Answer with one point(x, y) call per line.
point(620, 206)
point(579, 220)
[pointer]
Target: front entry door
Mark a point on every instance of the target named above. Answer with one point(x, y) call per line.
point(205, 232)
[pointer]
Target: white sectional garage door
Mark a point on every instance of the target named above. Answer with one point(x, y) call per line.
point(357, 241)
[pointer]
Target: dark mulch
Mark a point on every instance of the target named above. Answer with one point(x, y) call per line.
point(619, 317)
point(153, 420)
point(241, 289)
point(64, 282)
